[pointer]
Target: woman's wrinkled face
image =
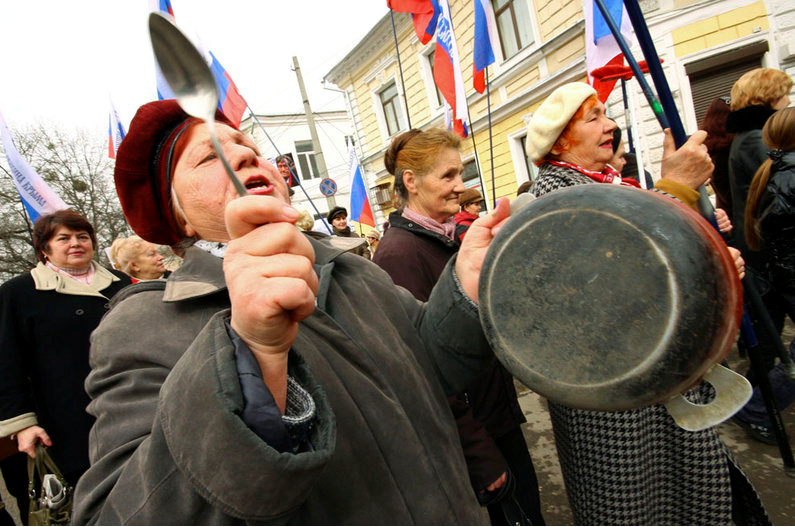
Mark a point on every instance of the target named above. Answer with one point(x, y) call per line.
point(148, 264)
point(70, 249)
point(591, 145)
point(436, 193)
point(203, 189)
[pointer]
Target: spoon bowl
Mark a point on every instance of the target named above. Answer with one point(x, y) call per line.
point(190, 78)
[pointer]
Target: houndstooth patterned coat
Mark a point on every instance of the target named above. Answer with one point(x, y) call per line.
point(637, 467)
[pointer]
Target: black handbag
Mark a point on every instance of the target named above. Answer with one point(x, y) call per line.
point(50, 494)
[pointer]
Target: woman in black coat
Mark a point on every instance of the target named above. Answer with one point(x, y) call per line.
point(46, 317)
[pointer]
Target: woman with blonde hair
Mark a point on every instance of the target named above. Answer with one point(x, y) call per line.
point(138, 258)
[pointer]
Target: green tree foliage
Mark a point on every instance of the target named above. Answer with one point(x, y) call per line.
point(77, 168)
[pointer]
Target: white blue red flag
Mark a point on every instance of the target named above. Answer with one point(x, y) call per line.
point(454, 125)
point(360, 205)
point(36, 195)
point(601, 48)
point(164, 8)
point(483, 43)
point(115, 132)
point(424, 15)
point(230, 102)
point(447, 69)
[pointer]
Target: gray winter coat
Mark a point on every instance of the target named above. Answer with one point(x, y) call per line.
point(169, 447)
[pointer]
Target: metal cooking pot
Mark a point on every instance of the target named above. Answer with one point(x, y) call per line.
point(608, 298)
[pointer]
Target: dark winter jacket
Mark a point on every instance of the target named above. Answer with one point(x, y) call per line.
point(776, 220)
point(747, 153)
point(169, 445)
point(414, 257)
point(45, 321)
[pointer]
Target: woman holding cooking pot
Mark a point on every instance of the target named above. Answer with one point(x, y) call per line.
point(257, 392)
point(637, 466)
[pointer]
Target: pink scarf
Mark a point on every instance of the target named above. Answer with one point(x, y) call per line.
point(446, 228)
point(607, 175)
point(83, 276)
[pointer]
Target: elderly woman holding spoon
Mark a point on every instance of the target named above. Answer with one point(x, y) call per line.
point(258, 394)
point(633, 467)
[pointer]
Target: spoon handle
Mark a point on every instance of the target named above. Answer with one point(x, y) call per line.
point(241, 190)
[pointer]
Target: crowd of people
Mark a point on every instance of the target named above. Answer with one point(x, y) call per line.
point(261, 391)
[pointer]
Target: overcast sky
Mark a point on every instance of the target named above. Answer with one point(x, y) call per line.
point(63, 59)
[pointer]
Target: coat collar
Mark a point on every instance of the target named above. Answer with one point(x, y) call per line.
point(748, 118)
point(202, 274)
point(47, 279)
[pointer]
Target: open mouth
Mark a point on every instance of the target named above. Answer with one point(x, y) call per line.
point(607, 144)
point(258, 184)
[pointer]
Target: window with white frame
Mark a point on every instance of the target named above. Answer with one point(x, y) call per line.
point(306, 160)
point(524, 168)
point(390, 106)
point(514, 25)
point(470, 175)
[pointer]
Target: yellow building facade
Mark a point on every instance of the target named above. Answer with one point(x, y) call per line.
point(541, 47)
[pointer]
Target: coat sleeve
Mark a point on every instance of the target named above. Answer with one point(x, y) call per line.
point(449, 326)
point(169, 446)
point(17, 410)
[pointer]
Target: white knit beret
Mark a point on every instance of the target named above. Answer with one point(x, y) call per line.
point(553, 115)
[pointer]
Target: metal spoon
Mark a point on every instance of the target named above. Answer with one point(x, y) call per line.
point(190, 79)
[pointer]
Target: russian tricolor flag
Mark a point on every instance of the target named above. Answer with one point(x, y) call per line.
point(447, 69)
point(601, 47)
point(424, 15)
point(36, 194)
point(360, 205)
point(115, 132)
point(230, 102)
point(484, 42)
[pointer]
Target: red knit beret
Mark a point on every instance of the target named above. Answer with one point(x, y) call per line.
point(144, 165)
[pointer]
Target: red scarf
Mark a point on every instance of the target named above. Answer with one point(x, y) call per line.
point(607, 175)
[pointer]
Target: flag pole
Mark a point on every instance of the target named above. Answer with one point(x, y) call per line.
point(477, 158)
point(400, 68)
point(491, 145)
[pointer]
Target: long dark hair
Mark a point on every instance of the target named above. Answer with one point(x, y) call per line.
point(714, 123)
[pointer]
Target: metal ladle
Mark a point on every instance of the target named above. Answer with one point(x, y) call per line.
point(190, 78)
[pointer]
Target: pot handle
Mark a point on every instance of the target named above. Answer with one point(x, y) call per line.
point(732, 391)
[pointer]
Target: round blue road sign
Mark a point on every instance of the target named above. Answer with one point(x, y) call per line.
point(328, 187)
